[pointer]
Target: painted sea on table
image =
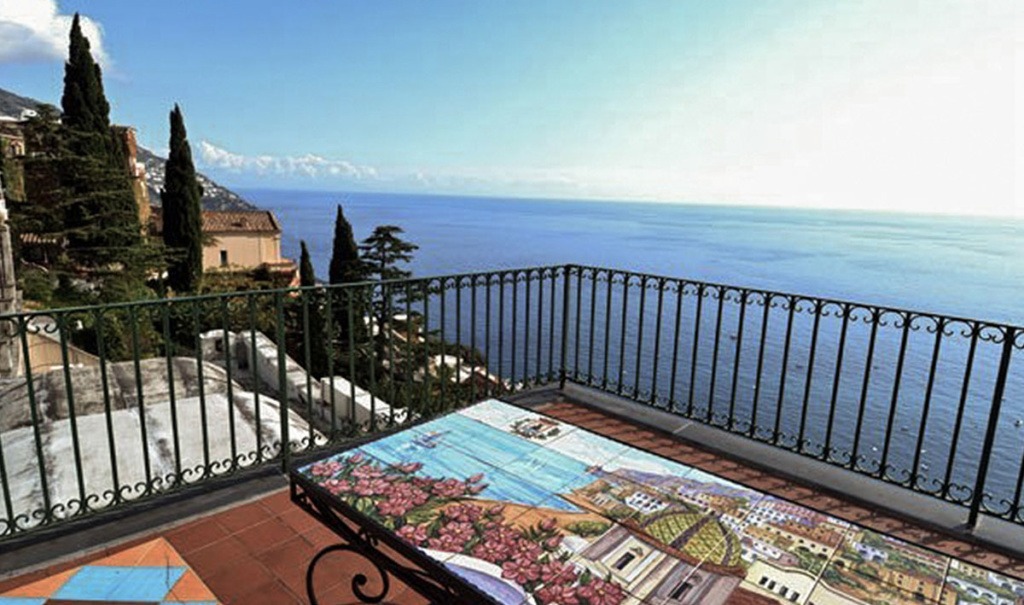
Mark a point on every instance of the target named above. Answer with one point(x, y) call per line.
point(536, 511)
point(875, 419)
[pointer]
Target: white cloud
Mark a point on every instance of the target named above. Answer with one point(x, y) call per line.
point(35, 30)
point(308, 165)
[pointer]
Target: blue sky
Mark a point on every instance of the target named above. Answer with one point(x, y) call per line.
point(875, 104)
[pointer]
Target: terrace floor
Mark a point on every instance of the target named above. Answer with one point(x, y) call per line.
point(257, 551)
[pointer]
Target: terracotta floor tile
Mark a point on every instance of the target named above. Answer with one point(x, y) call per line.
point(191, 588)
point(293, 575)
point(244, 517)
point(271, 593)
point(293, 553)
point(238, 579)
point(216, 556)
point(130, 556)
point(196, 535)
point(278, 502)
point(160, 555)
point(43, 586)
point(265, 535)
point(298, 519)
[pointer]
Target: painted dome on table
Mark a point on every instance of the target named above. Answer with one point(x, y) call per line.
point(696, 534)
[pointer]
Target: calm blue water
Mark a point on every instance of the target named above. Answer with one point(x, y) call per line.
point(515, 469)
point(953, 265)
point(956, 266)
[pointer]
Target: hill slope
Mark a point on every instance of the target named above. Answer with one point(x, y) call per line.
point(215, 196)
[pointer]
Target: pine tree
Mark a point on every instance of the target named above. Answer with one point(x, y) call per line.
point(384, 250)
point(382, 253)
point(182, 211)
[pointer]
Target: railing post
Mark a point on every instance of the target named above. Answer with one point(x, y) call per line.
point(990, 432)
point(563, 371)
point(282, 381)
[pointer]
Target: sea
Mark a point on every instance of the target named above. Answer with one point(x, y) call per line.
point(970, 267)
point(930, 434)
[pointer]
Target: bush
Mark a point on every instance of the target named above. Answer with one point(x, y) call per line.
point(37, 285)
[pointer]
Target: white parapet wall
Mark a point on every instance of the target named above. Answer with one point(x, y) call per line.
point(265, 365)
point(360, 411)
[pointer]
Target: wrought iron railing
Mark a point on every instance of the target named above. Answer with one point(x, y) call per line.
point(120, 403)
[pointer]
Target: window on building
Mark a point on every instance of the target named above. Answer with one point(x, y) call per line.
point(624, 560)
point(794, 596)
point(681, 591)
point(223, 258)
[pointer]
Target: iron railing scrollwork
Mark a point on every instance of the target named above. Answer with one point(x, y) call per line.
point(134, 400)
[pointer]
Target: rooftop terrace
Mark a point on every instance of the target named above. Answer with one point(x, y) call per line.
point(901, 422)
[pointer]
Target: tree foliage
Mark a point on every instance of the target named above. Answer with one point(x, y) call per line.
point(315, 325)
point(349, 304)
point(84, 103)
point(101, 218)
point(182, 211)
point(346, 264)
point(384, 251)
point(306, 275)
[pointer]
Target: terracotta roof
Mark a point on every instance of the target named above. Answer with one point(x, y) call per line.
point(227, 221)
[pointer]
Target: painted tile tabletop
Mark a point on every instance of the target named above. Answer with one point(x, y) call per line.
point(534, 510)
point(152, 573)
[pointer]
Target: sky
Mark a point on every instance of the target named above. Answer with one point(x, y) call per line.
point(904, 105)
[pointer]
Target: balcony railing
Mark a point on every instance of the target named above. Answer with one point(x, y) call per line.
point(122, 403)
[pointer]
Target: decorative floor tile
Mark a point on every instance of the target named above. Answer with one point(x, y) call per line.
point(152, 572)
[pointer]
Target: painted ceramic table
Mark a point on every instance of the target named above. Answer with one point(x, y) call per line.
point(497, 503)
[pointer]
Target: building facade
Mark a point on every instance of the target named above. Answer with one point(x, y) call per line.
point(238, 240)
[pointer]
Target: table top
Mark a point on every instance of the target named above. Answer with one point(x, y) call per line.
point(533, 510)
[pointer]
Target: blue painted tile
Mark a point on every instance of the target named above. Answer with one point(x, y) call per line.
point(100, 583)
point(22, 601)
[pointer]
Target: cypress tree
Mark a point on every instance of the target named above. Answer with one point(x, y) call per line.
point(306, 275)
point(84, 104)
point(346, 266)
point(182, 211)
point(100, 213)
point(348, 305)
point(316, 331)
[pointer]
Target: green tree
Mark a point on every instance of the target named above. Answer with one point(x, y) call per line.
point(84, 103)
point(347, 268)
point(306, 275)
point(346, 264)
point(382, 254)
point(182, 211)
point(384, 250)
point(101, 218)
point(316, 331)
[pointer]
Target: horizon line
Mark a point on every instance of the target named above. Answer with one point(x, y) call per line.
point(889, 212)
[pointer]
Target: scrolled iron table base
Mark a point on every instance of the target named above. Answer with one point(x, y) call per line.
point(426, 576)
